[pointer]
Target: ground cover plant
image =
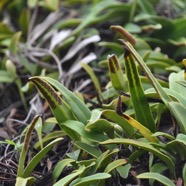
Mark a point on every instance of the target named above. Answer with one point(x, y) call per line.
point(93, 92)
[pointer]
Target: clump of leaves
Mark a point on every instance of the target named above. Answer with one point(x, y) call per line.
point(107, 126)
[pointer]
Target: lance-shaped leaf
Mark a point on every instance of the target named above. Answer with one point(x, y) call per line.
point(145, 146)
point(139, 100)
point(158, 177)
point(67, 179)
point(37, 158)
point(24, 151)
point(60, 167)
point(114, 165)
point(178, 146)
point(159, 89)
point(59, 108)
point(96, 123)
point(126, 122)
point(118, 79)
point(89, 180)
point(79, 109)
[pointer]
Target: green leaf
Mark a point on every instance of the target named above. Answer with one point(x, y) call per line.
point(175, 96)
point(94, 17)
point(67, 179)
point(5, 77)
point(158, 177)
point(178, 146)
point(96, 124)
point(165, 98)
point(139, 100)
point(49, 137)
point(88, 148)
point(24, 151)
point(59, 168)
point(119, 81)
point(38, 128)
point(24, 20)
point(145, 146)
point(91, 179)
point(13, 47)
point(179, 113)
point(11, 69)
point(124, 124)
point(157, 168)
point(114, 165)
point(59, 108)
point(174, 78)
point(164, 134)
point(121, 120)
point(25, 181)
point(104, 160)
point(124, 170)
point(79, 109)
point(76, 130)
point(37, 158)
point(32, 3)
point(51, 4)
point(146, 7)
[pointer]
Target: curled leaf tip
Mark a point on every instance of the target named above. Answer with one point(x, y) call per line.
point(48, 92)
point(122, 41)
point(124, 33)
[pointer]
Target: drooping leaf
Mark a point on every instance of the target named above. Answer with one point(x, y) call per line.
point(59, 108)
point(97, 124)
point(91, 179)
point(59, 168)
point(178, 146)
point(79, 109)
point(157, 168)
point(127, 120)
point(158, 177)
point(145, 146)
point(67, 179)
point(114, 165)
point(76, 130)
point(88, 148)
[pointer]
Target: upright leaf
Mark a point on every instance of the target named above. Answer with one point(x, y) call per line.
point(139, 100)
point(118, 79)
point(37, 158)
point(24, 151)
point(163, 95)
